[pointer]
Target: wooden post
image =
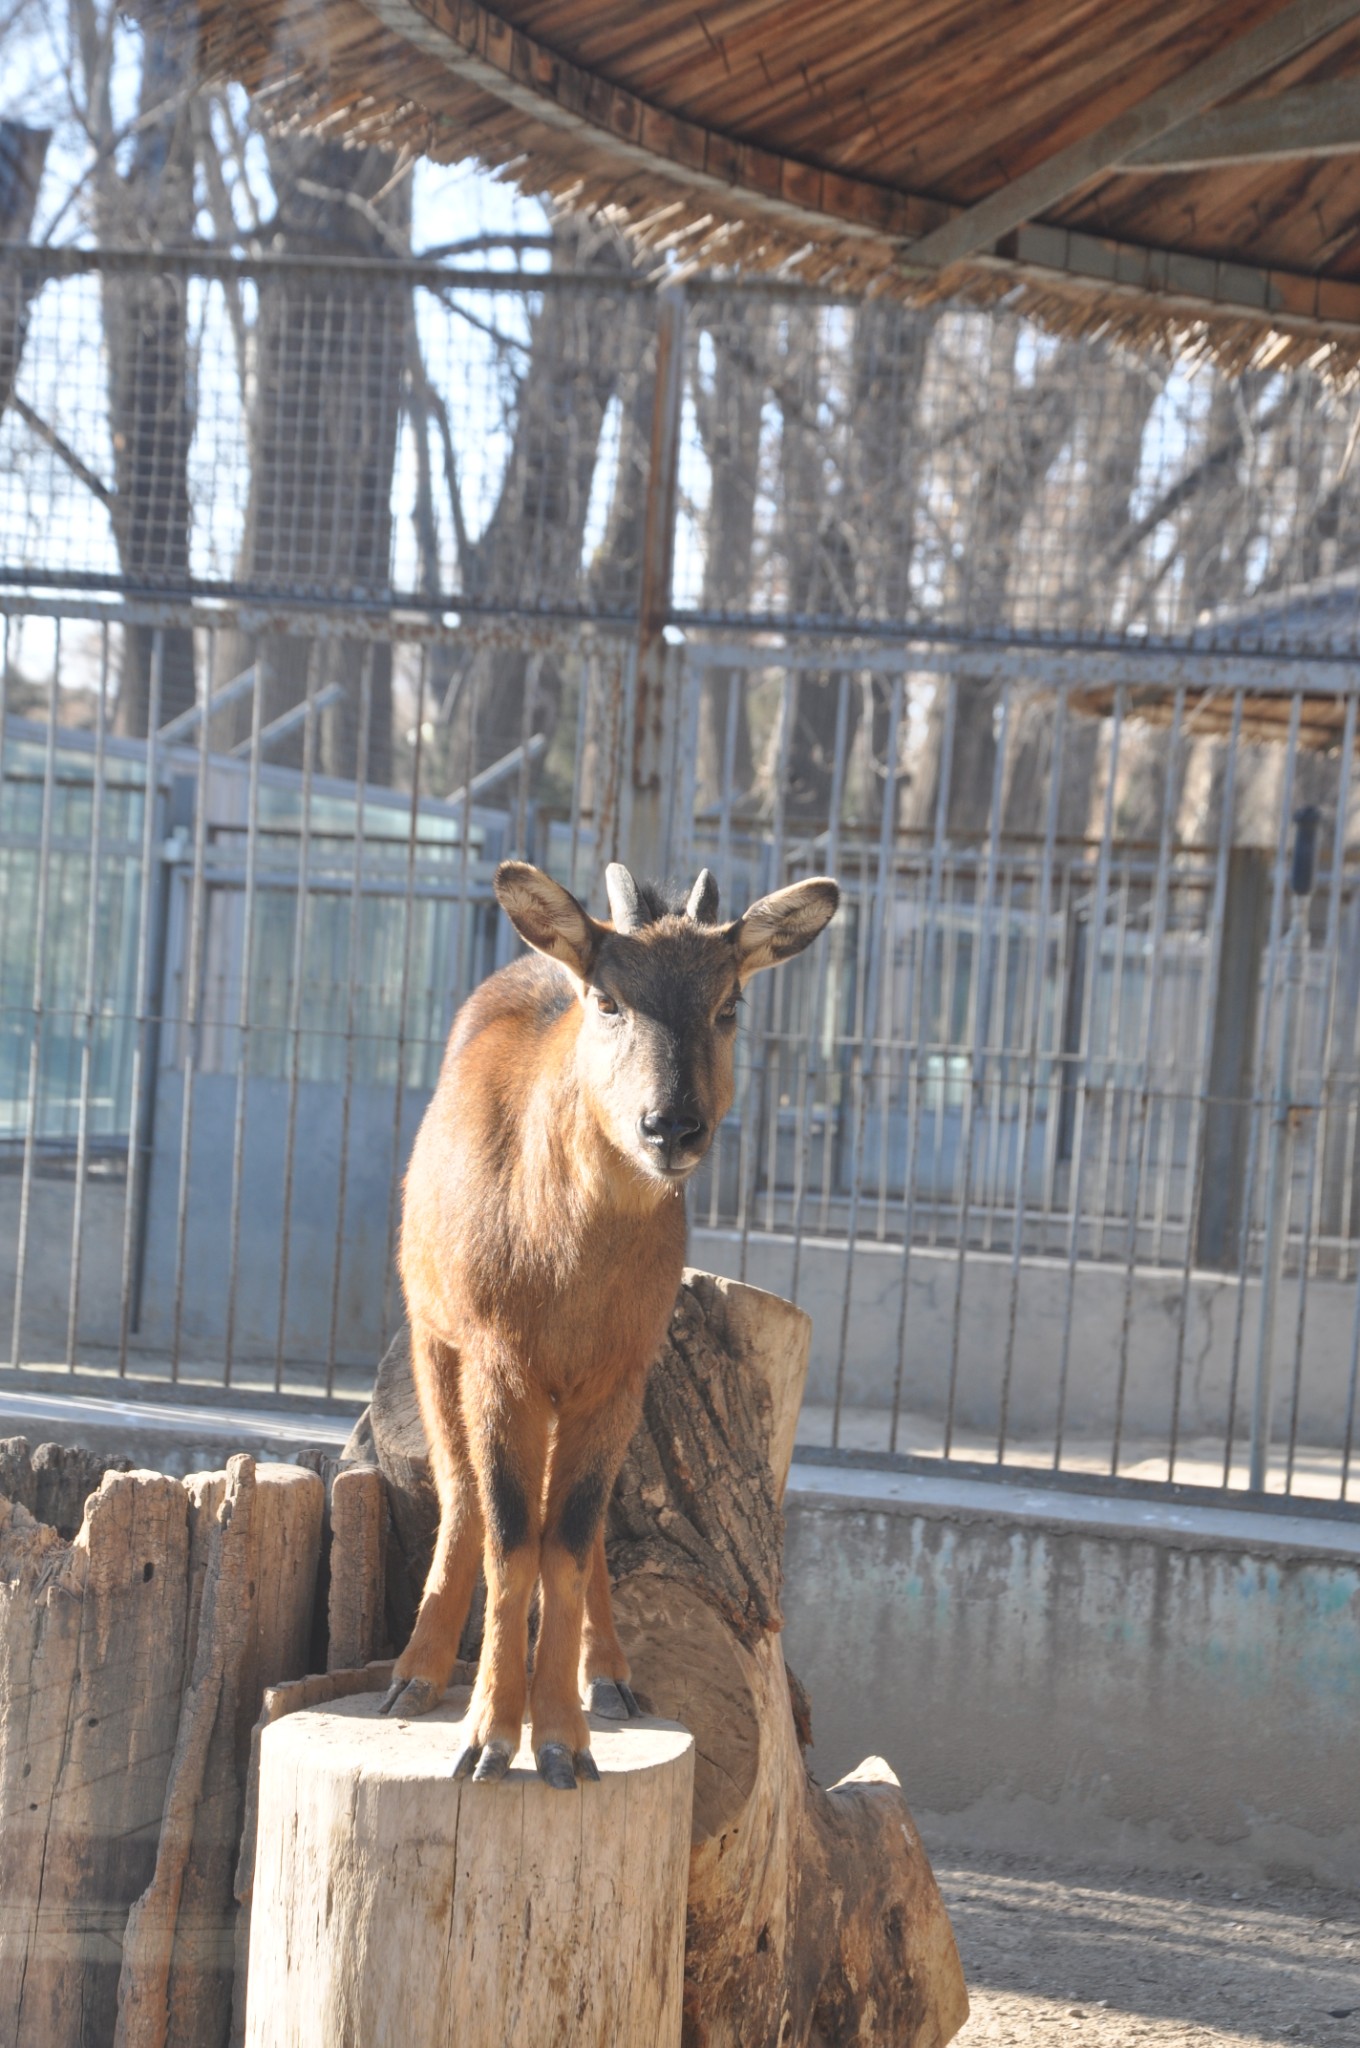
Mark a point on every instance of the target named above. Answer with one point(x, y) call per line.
point(392, 1903)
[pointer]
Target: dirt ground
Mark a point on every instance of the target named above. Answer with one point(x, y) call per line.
point(1055, 1954)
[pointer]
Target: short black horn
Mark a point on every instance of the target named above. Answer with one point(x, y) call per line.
point(703, 899)
point(625, 904)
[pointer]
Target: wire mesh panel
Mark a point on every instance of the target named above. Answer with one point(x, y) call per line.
point(1037, 648)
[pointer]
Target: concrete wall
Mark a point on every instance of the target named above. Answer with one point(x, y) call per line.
point(1047, 1670)
point(1097, 1317)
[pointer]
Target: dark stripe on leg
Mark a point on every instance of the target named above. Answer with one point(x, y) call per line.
point(507, 1506)
point(580, 1515)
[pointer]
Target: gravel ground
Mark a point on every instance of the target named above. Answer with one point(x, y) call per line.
point(1055, 1954)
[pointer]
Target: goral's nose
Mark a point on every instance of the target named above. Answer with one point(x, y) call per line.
point(669, 1131)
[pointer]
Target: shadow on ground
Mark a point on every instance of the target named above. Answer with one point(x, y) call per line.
point(1054, 1952)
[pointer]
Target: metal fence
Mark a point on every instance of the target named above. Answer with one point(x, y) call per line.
point(1007, 1134)
point(1056, 1135)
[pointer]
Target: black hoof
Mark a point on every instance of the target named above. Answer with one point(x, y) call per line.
point(556, 1766)
point(611, 1699)
point(465, 1763)
point(494, 1764)
point(587, 1770)
point(409, 1696)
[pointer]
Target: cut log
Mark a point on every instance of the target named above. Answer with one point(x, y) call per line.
point(97, 1639)
point(265, 1632)
point(813, 1915)
point(318, 1690)
point(358, 1552)
point(224, 1628)
point(92, 1642)
point(395, 1904)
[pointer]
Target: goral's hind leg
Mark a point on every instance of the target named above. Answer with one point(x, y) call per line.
point(587, 1448)
point(421, 1673)
point(604, 1667)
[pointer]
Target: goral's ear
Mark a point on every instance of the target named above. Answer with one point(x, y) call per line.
point(548, 917)
point(778, 926)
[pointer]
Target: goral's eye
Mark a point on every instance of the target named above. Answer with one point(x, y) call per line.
point(606, 1005)
point(728, 1013)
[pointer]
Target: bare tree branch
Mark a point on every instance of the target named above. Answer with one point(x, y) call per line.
point(63, 450)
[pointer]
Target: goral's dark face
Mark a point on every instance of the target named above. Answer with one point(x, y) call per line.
point(658, 1039)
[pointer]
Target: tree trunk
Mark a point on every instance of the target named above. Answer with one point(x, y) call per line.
point(331, 363)
point(151, 416)
point(392, 1903)
point(23, 152)
point(530, 553)
point(729, 413)
point(813, 1915)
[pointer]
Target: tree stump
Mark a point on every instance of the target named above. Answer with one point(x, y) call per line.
point(814, 1918)
point(132, 1662)
point(392, 1903)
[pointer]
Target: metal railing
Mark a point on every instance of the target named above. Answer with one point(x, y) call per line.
point(1006, 1133)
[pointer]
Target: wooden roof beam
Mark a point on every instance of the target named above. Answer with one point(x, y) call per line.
point(475, 44)
point(1309, 121)
point(1248, 57)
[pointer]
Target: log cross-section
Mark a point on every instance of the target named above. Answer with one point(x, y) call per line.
point(394, 1904)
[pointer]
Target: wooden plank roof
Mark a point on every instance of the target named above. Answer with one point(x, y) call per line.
point(1184, 173)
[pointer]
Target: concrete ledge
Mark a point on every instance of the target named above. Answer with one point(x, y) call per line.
point(167, 1436)
point(1166, 1684)
point(1259, 1532)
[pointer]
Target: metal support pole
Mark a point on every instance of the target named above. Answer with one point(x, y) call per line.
point(1284, 1112)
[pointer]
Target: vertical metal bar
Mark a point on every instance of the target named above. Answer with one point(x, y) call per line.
point(464, 868)
point(35, 1043)
point(243, 1018)
point(813, 1065)
point(994, 1031)
point(585, 671)
point(865, 1053)
point(613, 723)
point(949, 968)
point(728, 773)
point(408, 919)
point(1331, 957)
point(189, 1027)
point(1111, 1062)
point(1063, 971)
point(298, 976)
point(1258, 1083)
point(1032, 1068)
point(87, 1001)
point(980, 1002)
point(1195, 1160)
point(915, 1009)
point(683, 846)
point(1277, 1193)
point(1148, 1031)
point(735, 683)
point(774, 996)
point(1077, 1175)
point(766, 1069)
point(351, 990)
point(141, 1081)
